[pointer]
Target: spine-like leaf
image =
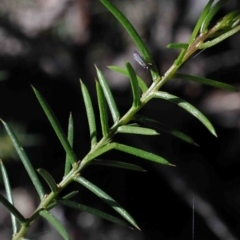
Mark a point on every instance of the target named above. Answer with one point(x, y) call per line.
point(188, 107)
point(134, 35)
point(177, 45)
point(56, 126)
point(90, 114)
point(180, 57)
point(137, 130)
point(49, 179)
point(118, 164)
point(93, 211)
point(141, 153)
point(102, 110)
point(25, 160)
point(106, 198)
point(9, 194)
point(134, 85)
point(195, 31)
point(206, 81)
point(70, 140)
point(212, 12)
point(99, 152)
point(200, 21)
point(219, 39)
point(12, 209)
point(108, 95)
point(55, 223)
point(70, 195)
point(123, 71)
point(130, 150)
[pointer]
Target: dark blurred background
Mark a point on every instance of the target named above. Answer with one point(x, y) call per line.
point(51, 44)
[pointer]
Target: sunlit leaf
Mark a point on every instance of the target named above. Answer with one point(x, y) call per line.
point(130, 150)
point(141, 153)
point(137, 130)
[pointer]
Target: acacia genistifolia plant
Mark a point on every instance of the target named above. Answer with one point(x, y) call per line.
point(114, 122)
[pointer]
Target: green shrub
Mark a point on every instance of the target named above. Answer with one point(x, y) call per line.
point(114, 122)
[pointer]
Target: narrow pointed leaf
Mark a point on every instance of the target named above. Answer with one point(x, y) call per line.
point(66, 197)
point(51, 205)
point(219, 39)
point(93, 211)
point(188, 107)
point(178, 45)
point(134, 85)
point(165, 128)
point(70, 140)
point(212, 12)
point(56, 126)
point(8, 190)
point(25, 160)
point(49, 179)
point(90, 114)
point(102, 150)
point(180, 57)
point(12, 209)
point(123, 71)
point(137, 130)
point(108, 95)
point(180, 135)
point(70, 195)
point(195, 31)
point(134, 35)
point(206, 81)
point(200, 21)
point(55, 223)
point(102, 110)
point(106, 198)
point(141, 153)
point(131, 150)
point(118, 164)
